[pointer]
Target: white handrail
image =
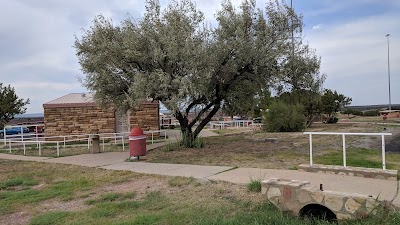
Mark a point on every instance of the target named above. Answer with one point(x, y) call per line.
point(79, 137)
point(344, 143)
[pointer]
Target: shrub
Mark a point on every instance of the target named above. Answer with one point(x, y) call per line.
point(282, 117)
point(371, 113)
point(254, 186)
point(357, 112)
point(332, 120)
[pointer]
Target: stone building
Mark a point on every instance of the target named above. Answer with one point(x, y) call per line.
point(77, 113)
point(390, 113)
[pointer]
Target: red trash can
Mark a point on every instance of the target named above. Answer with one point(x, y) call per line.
point(137, 143)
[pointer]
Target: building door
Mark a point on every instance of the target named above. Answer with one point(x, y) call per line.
point(122, 122)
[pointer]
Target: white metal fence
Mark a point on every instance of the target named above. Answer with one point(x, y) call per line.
point(232, 123)
point(344, 143)
point(31, 139)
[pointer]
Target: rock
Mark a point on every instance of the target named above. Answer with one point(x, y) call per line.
point(342, 173)
point(335, 203)
point(273, 140)
point(274, 192)
point(351, 205)
point(304, 197)
point(371, 205)
point(317, 196)
point(341, 216)
point(380, 177)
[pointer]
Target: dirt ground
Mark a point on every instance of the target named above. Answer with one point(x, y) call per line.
point(276, 150)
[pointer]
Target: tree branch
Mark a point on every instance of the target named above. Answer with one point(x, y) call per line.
point(201, 114)
point(195, 102)
point(207, 119)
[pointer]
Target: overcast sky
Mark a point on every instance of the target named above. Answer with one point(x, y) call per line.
point(37, 57)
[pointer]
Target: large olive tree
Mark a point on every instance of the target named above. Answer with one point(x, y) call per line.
point(172, 56)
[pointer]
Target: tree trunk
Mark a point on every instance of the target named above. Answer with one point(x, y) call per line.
point(189, 137)
point(311, 120)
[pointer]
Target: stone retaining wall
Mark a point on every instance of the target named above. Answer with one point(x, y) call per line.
point(350, 171)
point(293, 196)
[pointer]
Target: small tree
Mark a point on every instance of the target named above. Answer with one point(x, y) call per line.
point(10, 104)
point(332, 102)
point(283, 117)
point(310, 100)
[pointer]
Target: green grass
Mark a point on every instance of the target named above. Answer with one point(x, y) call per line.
point(358, 157)
point(60, 182)
point(171, 212)
point(254, 186)
point(53, 218)
point(111, 197)
point(180, 181)
point(170, 201)
point(18, 181)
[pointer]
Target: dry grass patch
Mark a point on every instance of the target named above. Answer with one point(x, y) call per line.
point(291, 149)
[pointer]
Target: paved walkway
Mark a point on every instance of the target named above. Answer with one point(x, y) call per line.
point(384, 189)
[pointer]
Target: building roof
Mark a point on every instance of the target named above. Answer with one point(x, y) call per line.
point(76, 100)
point(389, 111)
point(72, 100)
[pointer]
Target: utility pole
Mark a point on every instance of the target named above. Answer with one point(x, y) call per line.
point(390, 100)
point(292, 30)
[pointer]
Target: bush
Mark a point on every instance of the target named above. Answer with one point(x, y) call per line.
point(357, 112)
point(332, 120)
point(371, 113)
point(282, 117)
point(254, 186)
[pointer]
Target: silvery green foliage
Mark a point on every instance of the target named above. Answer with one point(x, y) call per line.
point(172, 56)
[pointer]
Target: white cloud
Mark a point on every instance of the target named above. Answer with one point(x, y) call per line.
point(354, 56)
point(317, 27)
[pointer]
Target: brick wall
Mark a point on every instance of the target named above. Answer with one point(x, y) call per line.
point(78, 120)
point(146, 116)
point(60, 121)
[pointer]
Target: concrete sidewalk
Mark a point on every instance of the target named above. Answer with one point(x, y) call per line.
point(183, 170)
point(384, 189)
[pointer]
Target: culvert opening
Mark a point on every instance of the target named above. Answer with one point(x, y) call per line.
point(319, 212)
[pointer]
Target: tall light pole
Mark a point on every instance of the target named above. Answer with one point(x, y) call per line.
point(390, 100)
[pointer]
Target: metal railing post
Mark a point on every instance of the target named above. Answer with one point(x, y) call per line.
point(88, 143)
point(9, 143)
point(311, 157)
point(103, 144)
point(40, 149)
point(64, 141)
point(152, 138)
point(58, 149)
point(344, 150)
point(37, 138)
point(4, 134)
point(383, 153)
point(24, 148)
point(123, 144)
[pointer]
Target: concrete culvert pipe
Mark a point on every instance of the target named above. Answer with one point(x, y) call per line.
point(315, 211)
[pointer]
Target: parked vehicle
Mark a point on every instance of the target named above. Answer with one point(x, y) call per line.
point(257, 120)
point(14, 130)
point(39, 130)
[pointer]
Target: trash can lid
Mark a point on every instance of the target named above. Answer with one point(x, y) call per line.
point(136, 132)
